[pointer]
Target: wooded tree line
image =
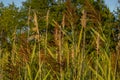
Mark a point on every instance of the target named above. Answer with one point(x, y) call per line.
point(62, 32)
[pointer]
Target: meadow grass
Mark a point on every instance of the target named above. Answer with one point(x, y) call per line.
point(70, 59)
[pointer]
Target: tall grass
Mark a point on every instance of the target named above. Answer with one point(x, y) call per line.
point(70, 59)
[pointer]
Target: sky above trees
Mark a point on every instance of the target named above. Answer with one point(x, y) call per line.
point(112, 4)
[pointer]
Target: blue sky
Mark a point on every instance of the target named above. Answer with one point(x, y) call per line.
point(112, 4)
point(17, 2)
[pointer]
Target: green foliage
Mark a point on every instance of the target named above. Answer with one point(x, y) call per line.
point(59, 40)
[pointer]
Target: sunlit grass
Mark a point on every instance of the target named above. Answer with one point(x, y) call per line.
point(68, 56)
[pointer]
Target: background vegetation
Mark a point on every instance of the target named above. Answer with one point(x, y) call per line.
point(59, 40)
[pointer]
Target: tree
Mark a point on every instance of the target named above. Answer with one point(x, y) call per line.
point(9, 21)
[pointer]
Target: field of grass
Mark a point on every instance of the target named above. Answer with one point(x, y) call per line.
point(66, 54)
